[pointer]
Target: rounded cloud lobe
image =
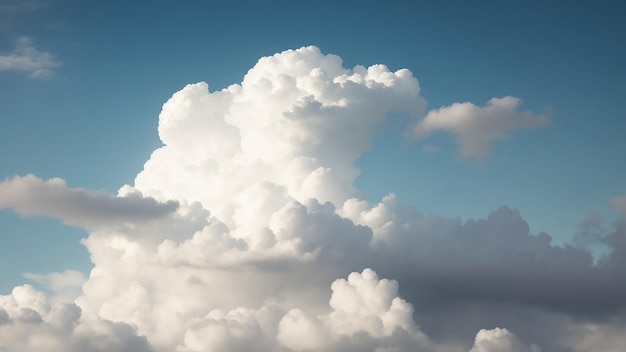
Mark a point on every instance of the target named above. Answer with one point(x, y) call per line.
point(28, 322)
point(244, 232)
point(496, 340)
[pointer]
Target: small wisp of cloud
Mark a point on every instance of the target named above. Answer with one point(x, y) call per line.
point(430, 148)
point(26, 58)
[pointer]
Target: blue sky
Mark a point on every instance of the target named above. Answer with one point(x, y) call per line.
point(93, 120)
point(90, 114)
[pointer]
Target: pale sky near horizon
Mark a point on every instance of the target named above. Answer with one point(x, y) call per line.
point(521, 108)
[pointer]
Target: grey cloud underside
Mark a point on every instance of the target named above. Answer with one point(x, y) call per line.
point(496, 260)
point(491, 272)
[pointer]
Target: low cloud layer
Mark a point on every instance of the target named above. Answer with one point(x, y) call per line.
point(244, 231)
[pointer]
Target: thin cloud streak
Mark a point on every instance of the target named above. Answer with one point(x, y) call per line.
point(30, 195)
point(28, 59)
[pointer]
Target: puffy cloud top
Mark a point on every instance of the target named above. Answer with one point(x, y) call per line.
point(291, 130)
point(500, 340)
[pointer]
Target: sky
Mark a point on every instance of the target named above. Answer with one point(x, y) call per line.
point(375, 176)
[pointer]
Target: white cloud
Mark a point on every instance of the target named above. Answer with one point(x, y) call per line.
point(26, 58)
point(476, 128)
point(264, 219)
point(30, 195)
point(295, 125)
point(366, 303)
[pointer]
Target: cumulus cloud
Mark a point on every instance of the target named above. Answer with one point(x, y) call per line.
point(292, 129)
point(30, 195)
point(366, 315)
point(475, 128)
point(26, 58)
point(244, 232)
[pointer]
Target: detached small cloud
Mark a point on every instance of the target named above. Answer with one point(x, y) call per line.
point(30, 195)
point(475, 128)
point(26, 58)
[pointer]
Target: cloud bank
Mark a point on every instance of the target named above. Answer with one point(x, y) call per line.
point(244, 231)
